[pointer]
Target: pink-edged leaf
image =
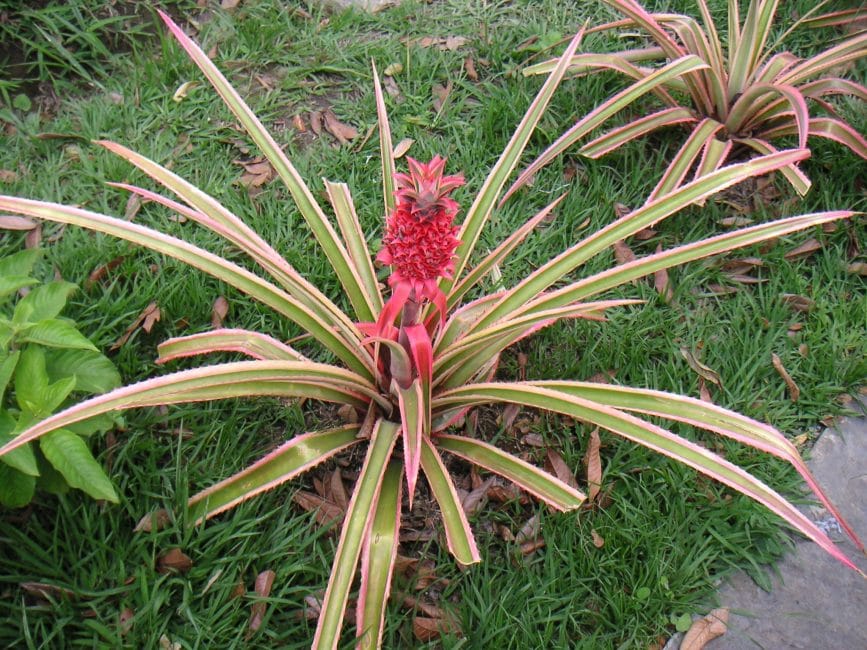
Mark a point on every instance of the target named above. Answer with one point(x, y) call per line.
point(412, 404)
point(792, 173)
point(746, 57)
point(350, 352)
point(825, 127)
point(377, 560)
point(283, 464)
point(420, 348)
point(615, 138)
point(401, 365)
point(604, 111)
point(679, 167)
point(355, 525)
point(837, 18)
point(221, 381)
point(253, 344)
point(851, 49)
point(749, 101)
point(386, 149)
point(474, 276)
point(704, 415)
point(537, 482)
point(462, 319)
point(619, 275)
point(459, 535)
point(713, 155)
point(650, 436)
point(482, 207)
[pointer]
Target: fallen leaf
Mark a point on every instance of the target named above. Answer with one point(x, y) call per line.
point(133, 205)
point(794, 391)
point(327, 512)
point(450, 43)
point(174, 561)
point(622, 252)
point(804, 350)
point(533, 440)
point(706, 629)
point(46, 591)
point(703, 392)
point(343, 132)
point(238, 590)
point(721, 290)
point(229, 4)
point(598, 540)
point(411, 602)
point(393, 69)
point(440, 95)
point(804, 250)
point(156, 520)
point(8, 176)
point(100, 272)
point(859, 268)
point(124, 620)
point(257, 172)
point(219, 312)
point(801, 440)
point(429, 629)
point(167, 644)
point(211, 581)
point(392, 88)
point(522, 366)
point(507, 417)
point(505, 493)
point(33, 238)
point(742, 264)
point(660, 282)
point(645, 233)
point(145, 320)
point(348, 414)
point(533, 545)
point(183, 90)
point(561, 469)
point(744, 279)
point(470, 69)
point(264, 582)
point(593, 463)
point(14, 222)
point(337, 491)
point(402, 147)
point(735, 222)
point(797, 302)
point(707, 373)
point(475, 500)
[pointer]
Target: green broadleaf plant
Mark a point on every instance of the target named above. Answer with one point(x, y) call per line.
point(418, 359)
point(735, 101)
point(44, 359)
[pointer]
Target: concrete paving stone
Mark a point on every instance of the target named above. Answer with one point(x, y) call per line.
point(816, 602)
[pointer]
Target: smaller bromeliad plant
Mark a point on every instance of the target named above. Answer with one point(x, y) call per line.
point(44, 362)
point(736, 100)
point(414, 362)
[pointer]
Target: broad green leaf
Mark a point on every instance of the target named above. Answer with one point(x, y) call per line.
point(50, 479)
point(9, 284)
point(33, 392)
point(69, 455)
point(43, 303)
point(358, 518)
point(459, 535)
point(20, 263)
point(22, 458)
point(541, 484)
point(55, 333)
point(7, 332)
point(16, 489)
point(7, 367)
point(283, 464)
point(377, 560)
point(93, 372)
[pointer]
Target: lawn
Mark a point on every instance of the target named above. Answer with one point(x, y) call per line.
point(618, 575)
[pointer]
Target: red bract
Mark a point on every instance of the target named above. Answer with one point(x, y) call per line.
point(420, 239)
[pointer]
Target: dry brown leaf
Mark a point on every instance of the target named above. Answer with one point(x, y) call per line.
point(443, 43)
point(533, 440)
point(660, 282)
point(706, 629)
point(801, 440)
point(703, 392)
point(598, 540)
point(8, 176)
point(804, 250)
point(156, 520)
point(315, 119)
point(124, 620)
point(440, 95)
point(348, 414)
point(229, 4)
point(411, 602)
point(46, 591)
point(533, 545)
point(430, 629)
point(593, 463)
point(530, 530)
point(183, 90)
point(742, 264)
point(174, 561)
point(33, 238)
point(507, 417)
point(621, 210)
point(402, 147)
point(561, 469)
point(219, 311)
point(239, 590)
point(645, 233)
point(146, 320)
point(505, 493)
point(343, 132)
point(470, 69)
point(797, 302)
point(167, 644)
point(707, 373)
point(14, 222)
point(391, 88)
point(527, 43)
point(622, 252)
point(721, 290)
point(794, 391)
point(522, 366)
point(475, 500)
point(298, 123)
point(804, 350)
point(453, 43)
point(264, 581)
point(735, 222)
point(327, 512)
point(100, 272)
point(133, 205)
point(860, 268)
point(744, 279)
point(337, 491)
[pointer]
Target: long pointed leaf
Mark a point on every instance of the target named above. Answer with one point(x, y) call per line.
point(685, 158)
point(412, 416)
point(537, 482)
point(355, 357)
point(386, 149)
point(377, 560)
point(650, 436)
point(358, 514)
point(791, 173)
point(279, 466)
point(253, 344)
point(459, 535)
point(608, 142)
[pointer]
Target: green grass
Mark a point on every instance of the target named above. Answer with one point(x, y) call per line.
point(668, 532)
